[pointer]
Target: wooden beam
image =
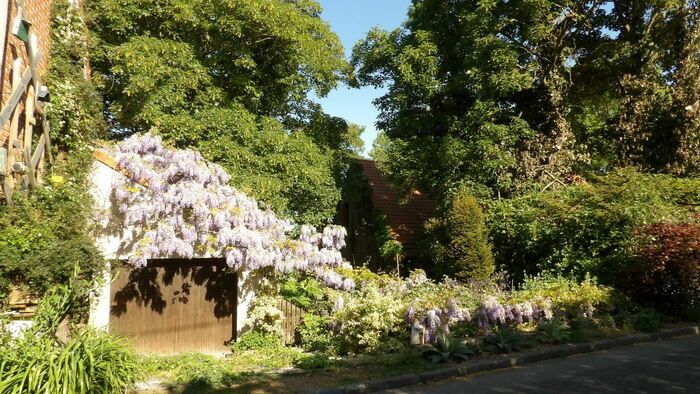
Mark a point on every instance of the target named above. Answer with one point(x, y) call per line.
point(111, 162)
point(34, 55)
point(9, 181)
point(47, 128)
point(17, 92)
point(29, 180)
point(29, 120)
point(4, 15)
point(38, 153)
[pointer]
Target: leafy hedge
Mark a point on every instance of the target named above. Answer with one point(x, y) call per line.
point(44, 235)
point(586, 227)
point(666, 271)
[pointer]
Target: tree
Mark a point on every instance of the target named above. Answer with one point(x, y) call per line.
point(630, 102)
point(230, 78)
point(474, 93)
point(506, 94)
point(459, 240)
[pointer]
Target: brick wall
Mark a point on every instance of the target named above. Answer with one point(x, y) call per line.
point(38, 12)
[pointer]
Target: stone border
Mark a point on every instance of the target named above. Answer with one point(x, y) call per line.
point(501, 362)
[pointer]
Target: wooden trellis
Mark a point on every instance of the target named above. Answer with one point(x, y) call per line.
point(23, 160)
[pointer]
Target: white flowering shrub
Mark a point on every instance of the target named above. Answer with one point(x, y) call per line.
point(264, 317)
point(368, 318)
point(189, 208)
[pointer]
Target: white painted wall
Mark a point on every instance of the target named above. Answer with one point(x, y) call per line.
point(116, 241)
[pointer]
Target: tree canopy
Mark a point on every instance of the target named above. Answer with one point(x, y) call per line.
point(505, 93)
point(231, 79)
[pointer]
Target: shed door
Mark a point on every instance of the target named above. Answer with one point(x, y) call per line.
point(174, 306)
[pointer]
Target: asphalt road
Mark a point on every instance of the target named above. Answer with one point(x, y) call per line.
point(669, 366)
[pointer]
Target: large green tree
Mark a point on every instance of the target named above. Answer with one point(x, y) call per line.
point(231, 79)
point(500, 94)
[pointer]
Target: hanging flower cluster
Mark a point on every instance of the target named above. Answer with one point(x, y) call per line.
point(189, 208)
point(492, 313)
point(433, 320)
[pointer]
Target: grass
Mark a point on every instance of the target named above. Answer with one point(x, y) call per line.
point(273, 370)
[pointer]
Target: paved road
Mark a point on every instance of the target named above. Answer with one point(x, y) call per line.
point(671, 366)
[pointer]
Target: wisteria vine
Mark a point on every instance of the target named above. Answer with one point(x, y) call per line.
point(188, 208)
point(491, 313)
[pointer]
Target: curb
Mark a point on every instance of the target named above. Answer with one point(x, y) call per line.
point(508, 361)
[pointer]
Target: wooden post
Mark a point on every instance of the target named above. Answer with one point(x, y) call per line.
point(29, 120)
point(9, 181)
point(29, 180)
point(4, 9)
point(47, 129)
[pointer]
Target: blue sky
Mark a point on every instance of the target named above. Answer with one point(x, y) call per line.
point(351, 20)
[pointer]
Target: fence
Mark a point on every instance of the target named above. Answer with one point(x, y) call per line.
point(292, 320)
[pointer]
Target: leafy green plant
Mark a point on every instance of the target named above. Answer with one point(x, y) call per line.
point(253, 340)
point(316, 334)
point(573, 297)
point(447, 348)
point(303, 292)
point(553, 331)
point(505, 340)
point(646, 320)
point(369, 318)
point(44, 235)
point(587, 227)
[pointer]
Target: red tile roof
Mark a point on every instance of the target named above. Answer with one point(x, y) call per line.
point(406, 215)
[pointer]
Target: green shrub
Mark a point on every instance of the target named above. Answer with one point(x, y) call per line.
point(264, 316)
point(386, 242)
point(44, 235)
point(586, 227)
point(316, 334)
point(572, 297)
point(645, 320)
point(253, 340)
point(458, 241)
point(368, 320)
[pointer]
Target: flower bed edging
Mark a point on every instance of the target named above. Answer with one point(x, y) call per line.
point(501, 362)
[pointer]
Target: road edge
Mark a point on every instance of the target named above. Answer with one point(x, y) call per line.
point(508, 361)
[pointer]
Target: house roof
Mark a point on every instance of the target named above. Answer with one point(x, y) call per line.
point(406, 214)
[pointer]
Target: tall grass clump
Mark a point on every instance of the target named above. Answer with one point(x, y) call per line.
point(89, 361)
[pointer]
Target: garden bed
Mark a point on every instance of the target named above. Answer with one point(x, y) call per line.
point(291, 370)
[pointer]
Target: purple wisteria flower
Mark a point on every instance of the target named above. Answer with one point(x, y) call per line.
point(188, 205)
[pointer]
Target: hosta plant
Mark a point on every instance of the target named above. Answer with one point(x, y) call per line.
point(447, 348)
point(553, 331)
point(505, 340)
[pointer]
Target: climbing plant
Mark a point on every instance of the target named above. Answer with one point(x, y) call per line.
point(189, 208)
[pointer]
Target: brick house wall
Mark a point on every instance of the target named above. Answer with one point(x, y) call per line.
point(38, 12)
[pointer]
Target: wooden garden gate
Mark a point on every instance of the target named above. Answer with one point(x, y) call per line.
point(173, 306)
point(292, 320)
